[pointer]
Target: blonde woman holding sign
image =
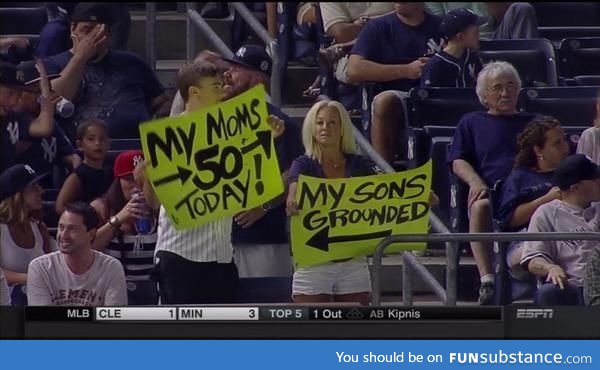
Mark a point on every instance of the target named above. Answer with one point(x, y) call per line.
point(331, 153)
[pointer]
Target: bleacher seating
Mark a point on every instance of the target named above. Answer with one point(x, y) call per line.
point(440, 105)
point(579, 56)
point(559, 20)
point(572, 106)
point(534, 59)
point(22, 21)
point(587, 80)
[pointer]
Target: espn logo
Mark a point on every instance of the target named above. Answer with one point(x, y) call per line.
point(535, 313)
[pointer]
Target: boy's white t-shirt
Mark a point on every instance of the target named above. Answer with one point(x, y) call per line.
point(589, 144)
point(50, 282)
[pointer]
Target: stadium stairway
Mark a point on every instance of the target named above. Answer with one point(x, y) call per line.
point(170, 50)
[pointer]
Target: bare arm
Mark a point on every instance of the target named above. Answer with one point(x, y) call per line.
point(106, 232)
point(13, 277)
point(345, 31)
point(465, 172)
point(160, 106)
point(540, 266)
point(523, 213)
point(363, 70)
point(70, 191)
point(271, 8)
point(43, 125)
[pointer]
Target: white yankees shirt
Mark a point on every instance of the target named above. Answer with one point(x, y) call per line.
point(571, 255)
point(209, 242)
point(50, 282)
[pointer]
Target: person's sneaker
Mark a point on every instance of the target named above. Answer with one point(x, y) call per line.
point(486, 293)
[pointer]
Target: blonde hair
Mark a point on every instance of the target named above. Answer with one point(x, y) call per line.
point(347, 144)
point(13, 210)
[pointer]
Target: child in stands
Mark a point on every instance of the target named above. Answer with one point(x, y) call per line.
point(458, 64)
point(93, 177)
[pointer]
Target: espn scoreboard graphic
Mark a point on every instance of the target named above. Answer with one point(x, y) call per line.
point(214, 313)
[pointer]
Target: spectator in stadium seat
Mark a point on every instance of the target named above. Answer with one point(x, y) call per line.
point(483, 151)
point(562, 263)
point(459, 63)
point(17, 127)
point(76, 274)
point(542, 146)
point(330, 153)
point(591, 279)
point(589, 142)
point(93, 177)
point(196, 265)
point(392, 51)
point(259, 235)
point(116, 86)
point(53, 150)
point(23, 235)
point(118, 211)
point(506, 20)
point(55, 36)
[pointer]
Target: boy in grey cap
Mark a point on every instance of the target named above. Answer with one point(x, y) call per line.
point(562, 263)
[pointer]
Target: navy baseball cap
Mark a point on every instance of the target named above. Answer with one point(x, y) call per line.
point(30, 73)
point(574, 169)
point(11, 76)
point(16, 178)
point(92, 12)
point(253, 57)
point(458, 20)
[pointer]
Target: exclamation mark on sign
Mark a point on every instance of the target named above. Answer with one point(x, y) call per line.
point(260, 186)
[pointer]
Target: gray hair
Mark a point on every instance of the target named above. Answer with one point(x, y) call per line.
point(494, 70)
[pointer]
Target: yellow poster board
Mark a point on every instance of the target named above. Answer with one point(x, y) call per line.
point(345, 218)
point(214, 162)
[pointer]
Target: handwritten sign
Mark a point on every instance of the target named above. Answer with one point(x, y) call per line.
point(215, 162)
point(345, 218)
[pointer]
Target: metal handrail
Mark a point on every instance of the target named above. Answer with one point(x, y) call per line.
point(455, 237)
point(451, 291)
point(210, 34)
point(272, 48)
point(151, 35)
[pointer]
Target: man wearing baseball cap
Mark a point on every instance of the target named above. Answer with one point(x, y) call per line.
point(15, 126)
point(115, 86)
point(562, 263)
point(458, 64)
point(258, 235)
point(55, 149)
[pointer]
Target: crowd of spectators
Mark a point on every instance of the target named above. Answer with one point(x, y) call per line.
point(85, 89)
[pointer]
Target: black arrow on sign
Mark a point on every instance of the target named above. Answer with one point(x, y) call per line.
point(321, 240)
point(183, 174)
point(263, 138)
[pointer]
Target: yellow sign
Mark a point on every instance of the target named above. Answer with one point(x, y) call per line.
point(215, 162)
point(345, 218)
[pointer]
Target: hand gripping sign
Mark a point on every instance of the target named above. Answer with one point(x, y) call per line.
point(345, 218)
point(215, 162)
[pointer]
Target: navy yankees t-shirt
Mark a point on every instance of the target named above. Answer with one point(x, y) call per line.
point(523, 185)
point(488, 143)
point(388, 40)
point(444, 70)
point(271, 228)
point(117, 89)
point(14, 129)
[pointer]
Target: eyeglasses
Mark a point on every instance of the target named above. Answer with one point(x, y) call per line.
point(498, 89)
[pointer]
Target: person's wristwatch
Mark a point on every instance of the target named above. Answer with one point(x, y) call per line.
point(114, 222)
point(266, 207)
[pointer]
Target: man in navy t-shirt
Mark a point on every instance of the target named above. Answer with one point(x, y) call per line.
point(392, 51)
point(17, 129)
point(483, 151)
point(115, 86)
point(259, 235)
point(459, 63)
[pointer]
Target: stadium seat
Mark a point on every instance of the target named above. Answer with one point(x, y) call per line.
point(50, 217)
point(556, 14)
point(50, 194)
point(534, 59)
point(587, 80)
point(572, 106)
point(22, 21)
point(573, 133)
point(579, 56)
point(557, 34)
point(440, 180)
point(440, 106)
